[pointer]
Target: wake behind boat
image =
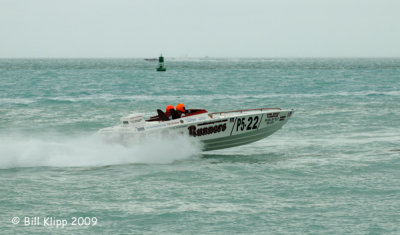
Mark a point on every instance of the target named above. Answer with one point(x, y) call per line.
point(217, 130)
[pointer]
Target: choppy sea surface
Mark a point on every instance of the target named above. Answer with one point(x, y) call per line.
point(334, 168)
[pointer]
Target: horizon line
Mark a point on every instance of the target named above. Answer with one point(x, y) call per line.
point(217, 57)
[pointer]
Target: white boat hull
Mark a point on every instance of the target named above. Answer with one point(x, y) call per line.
point(215, 130)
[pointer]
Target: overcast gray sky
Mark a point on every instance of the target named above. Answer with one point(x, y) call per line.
point(215, 28)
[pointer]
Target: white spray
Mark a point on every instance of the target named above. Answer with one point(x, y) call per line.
point(75, 151)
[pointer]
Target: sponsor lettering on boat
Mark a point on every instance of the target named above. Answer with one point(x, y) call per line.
point(194, 131)
point(172, 123)
point(271, 120)
point(156, 126)
point(272, 115)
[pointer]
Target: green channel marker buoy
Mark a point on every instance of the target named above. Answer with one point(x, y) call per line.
point(161, 67)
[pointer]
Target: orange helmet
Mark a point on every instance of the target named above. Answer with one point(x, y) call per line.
point(168, 108)
point(180, 107)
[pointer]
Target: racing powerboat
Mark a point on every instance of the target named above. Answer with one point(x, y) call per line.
point(217, 130)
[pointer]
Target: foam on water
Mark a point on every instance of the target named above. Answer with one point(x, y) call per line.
point(77, 151)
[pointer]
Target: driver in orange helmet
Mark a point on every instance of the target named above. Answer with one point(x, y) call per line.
point(168, 111)
point(180, 108)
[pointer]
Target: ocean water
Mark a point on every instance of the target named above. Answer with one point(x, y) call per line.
point(334, 168)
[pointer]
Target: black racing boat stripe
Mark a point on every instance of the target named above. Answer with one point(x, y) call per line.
point(233, 126)
point(260, 121)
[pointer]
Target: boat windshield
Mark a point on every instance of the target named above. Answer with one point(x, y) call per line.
point(161, 116)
